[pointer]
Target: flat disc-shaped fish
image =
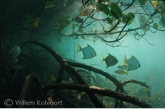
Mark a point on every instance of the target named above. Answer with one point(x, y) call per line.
point(121, 72)
point(110, 60)
point(133, 63)
point(88, 52)
point(123, 67)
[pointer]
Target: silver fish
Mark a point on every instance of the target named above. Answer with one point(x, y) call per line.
point(121, 72)
point(131, 64)
point(109, 60)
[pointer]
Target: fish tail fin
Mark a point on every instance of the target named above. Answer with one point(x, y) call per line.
point(78, 48)
point(127, 72)
point(124, 61)
point(102, 59)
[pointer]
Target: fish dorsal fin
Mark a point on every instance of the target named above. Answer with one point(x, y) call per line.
point(102, 59)
point(88, 45)
point(108, 55)
point(132, 56)
point(78, 48)
point(125, 60)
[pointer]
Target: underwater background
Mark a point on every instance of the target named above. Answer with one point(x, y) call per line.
point(85, 53)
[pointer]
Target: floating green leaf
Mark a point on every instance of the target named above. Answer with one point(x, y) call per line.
point(155, 25)
point(109, 20)
point(142, 20)
point(127, 16)
point(116, 11)
point(49, 4)
point(162, 20)
point(146, 28)
point(104, 8)
point(142, 2)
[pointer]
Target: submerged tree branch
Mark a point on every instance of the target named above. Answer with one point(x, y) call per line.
point(135, 81)
point(62, 62)
point(100, 91)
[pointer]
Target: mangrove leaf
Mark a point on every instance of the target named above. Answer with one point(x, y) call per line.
point(127, 16)
point(142, 2)
point(116, 11)
point(155, 25)
point(104, 8)
point(49, 4)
